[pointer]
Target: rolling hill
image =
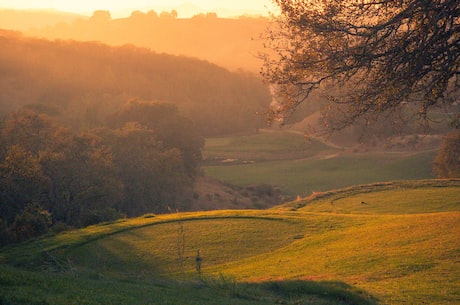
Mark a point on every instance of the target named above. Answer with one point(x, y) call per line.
point(232, 43)
point(86, 82)
point(384, 243)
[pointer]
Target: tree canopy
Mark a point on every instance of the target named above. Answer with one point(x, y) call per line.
point(53, 177)
point(373, 58)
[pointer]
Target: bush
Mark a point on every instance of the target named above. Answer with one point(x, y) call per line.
point(33, 221)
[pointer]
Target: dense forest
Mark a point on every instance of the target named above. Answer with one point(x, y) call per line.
point(88, 81)
point(91, 133)
point(142, 161)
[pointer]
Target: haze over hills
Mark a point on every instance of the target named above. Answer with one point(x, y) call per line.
point(73, 75)
point(121, 9)
point(189, 9)
point(24, 20)
point(228, 42)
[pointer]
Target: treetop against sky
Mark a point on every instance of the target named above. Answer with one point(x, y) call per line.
point(87, 6)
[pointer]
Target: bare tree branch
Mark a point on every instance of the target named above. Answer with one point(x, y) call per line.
point(386, 55)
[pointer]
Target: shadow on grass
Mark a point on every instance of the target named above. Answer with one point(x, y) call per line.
point(332, 290)
point(20, 287)
point(295, 292)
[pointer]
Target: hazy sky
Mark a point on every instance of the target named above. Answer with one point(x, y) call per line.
point(117, 6)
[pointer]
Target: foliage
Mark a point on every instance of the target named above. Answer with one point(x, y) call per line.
point(32, 221)
point(171, 129)
point(84, 83)
point(380, 57)
point(83, 182)
point(447, 161)
point(22, 181)
point(93, 176)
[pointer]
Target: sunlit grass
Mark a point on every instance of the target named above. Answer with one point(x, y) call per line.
point(268, 141)
point(394, 201)
point(381, 255)
point(399, 247)
point(263, 146)
point(153, 250)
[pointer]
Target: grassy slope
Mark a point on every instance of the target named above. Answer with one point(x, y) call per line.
point(405, 260)
point(400, 246)
point(284, 159)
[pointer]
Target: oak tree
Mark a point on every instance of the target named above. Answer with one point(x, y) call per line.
point(380, 57)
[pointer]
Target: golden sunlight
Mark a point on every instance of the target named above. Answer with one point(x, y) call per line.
point(235, 7)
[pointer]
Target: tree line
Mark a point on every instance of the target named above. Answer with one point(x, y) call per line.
point(201, 36)
point(50, 177)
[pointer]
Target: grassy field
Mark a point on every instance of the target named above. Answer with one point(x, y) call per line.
point(286, 160)
point(263, 146)
point(386, 243)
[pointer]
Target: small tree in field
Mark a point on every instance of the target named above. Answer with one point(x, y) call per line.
point(380, 57)
point(447, 162)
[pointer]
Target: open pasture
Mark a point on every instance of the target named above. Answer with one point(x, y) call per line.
point(297, 253)
point(284, 159)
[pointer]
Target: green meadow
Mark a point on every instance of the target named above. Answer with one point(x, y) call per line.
point(382, 243)
point(299, 167)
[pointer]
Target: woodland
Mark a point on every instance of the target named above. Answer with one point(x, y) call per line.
point(87, 81)
point(91, 132)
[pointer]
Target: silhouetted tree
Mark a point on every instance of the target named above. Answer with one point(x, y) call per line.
point(169, 15)
point(390, 54)
point(101, 16)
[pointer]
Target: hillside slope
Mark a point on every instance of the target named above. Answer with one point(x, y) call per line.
point(85, 82)
point(230, 43)
point(298, 253)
